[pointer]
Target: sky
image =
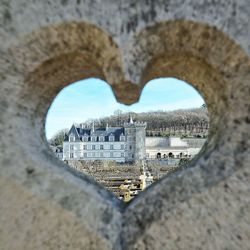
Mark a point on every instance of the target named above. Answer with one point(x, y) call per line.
point(93, 98)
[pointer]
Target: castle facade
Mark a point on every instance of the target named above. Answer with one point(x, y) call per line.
point(121, 144)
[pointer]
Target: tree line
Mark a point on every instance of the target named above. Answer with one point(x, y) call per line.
point(161, 123)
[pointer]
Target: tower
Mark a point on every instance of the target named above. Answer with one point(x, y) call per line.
point(135, 133)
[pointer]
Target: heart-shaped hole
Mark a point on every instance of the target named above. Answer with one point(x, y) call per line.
point(127, 148)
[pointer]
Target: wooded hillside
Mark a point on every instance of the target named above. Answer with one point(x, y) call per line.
point(194, 122)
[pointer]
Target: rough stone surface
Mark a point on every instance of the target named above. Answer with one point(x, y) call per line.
point(46, 45)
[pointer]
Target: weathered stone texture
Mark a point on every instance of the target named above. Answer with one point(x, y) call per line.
point(46, 45)
point(29, 222)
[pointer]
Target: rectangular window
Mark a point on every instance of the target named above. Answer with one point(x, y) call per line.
point(111, 147)
point(93, 147)
point(71, 138)
point(85, 147)
point(101, 154)
point(71, 155)
point(101, 138)
point(101, 147)
point(93, 154)
point(122, 154)
point(71, 147)
point(111, 155)
point(122, 146)
point(85, 155)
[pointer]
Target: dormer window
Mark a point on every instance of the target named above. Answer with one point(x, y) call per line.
point(85, 137)
point(93, 138)
point(71, 137)
point(122, 137)
point(111, 138)
point(101, 138)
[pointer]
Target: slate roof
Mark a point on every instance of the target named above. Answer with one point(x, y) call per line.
point(79, 133)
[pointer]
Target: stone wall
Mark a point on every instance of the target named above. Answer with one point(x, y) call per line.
point(46, 45)
point(140, 142)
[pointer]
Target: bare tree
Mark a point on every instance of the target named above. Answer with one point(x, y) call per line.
point(58, 138)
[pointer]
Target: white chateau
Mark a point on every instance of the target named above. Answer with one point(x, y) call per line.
point(127, 143)
point(121, 144)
